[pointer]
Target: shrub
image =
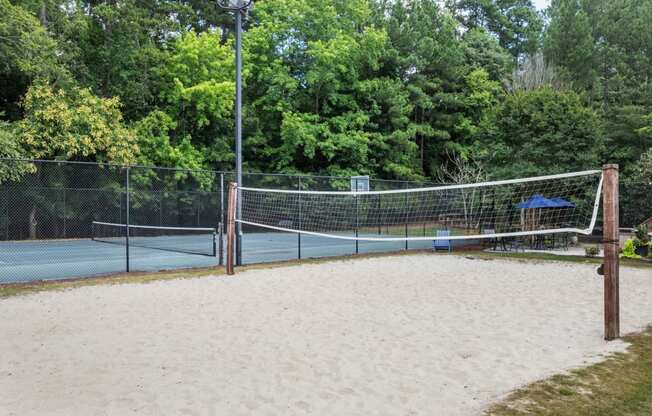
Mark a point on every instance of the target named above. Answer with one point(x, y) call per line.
point(628, 250)
point(592, 251)
point(641, 236)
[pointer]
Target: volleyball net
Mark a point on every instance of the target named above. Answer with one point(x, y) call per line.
point(563, 203)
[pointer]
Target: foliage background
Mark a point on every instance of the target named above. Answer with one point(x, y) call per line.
point(392, 89)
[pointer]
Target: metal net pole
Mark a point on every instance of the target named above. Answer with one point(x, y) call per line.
point(238, 129)
point(128, 208)
point(300, 224)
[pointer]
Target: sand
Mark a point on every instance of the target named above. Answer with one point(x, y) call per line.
point(405, 335)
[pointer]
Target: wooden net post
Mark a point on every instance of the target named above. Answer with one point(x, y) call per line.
point(230, 227)
point(611, 248)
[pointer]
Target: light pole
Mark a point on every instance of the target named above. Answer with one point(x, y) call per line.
point(238, 7)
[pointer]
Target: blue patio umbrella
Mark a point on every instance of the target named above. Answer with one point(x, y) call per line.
point(538, 201)
point(535, 203)
point(562, 203)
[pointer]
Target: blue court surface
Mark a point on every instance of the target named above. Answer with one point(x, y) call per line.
point(35, 260)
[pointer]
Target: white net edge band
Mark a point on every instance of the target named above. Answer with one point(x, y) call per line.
point(587, 231)
point(596, 205)
point(432, 188)
point(154, 227)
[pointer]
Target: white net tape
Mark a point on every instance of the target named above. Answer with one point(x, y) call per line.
point(565, 203)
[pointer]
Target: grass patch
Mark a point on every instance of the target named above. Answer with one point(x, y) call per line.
point(619, 386)
point(556, 257)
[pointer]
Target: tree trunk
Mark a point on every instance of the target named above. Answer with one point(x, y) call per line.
point(32, 223)
point(43, 15)
point(423, 170)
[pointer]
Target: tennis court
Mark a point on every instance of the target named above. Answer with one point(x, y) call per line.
point(24, 261)
point(61, 220)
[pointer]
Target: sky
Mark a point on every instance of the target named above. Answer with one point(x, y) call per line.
point(541, 4)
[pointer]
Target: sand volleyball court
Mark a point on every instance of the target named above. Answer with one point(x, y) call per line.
point(404, 335)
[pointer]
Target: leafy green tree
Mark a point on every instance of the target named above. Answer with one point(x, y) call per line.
point(643, 168)
point(74, 124)
point(196, 93)
point(635, 192)
point(320, 98)
point(569, 43)
point(539, 132)
point(515, 23)
point(68, 124)
point(643, 171)
point(382, 87)
point(480, 96)
point(122, 46)
point(625, 137)
point(602, 47)
point(10, 148)
point(26, 52)
point(482, 51)
point(429, 56)
point(156, 147)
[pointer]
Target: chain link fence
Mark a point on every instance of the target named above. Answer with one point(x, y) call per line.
point(635, 203)
point(61, 219)
point(69, 219)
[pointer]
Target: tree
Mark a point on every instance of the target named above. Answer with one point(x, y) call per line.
point(122, 47)
point(73, 124)
point(569, 44)
point(433, 61)
point(10, 148)
point(323, 97)
point(515, 23)
point(69, 124)
point(541, 132)
point(197, 94)
point(643, 168)
point(602, 47)
point(464, 170)
point(635, 192)
point(156, 147)
point(482, 51)
point(534, 73)
point(26, 52)
point(480, 96)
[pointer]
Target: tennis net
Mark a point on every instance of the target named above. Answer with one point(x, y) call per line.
point(188, 240)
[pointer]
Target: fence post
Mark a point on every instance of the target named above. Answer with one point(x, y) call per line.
point(300, 225)
point(221, 222)
point(611, 246)
point(379, 216)
point(407, 218)
point(230, 228)
point(238, 229)
point(64, 212)
point(357, 219)
point(5, 190)
point(127, 206)
point(198, 196)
